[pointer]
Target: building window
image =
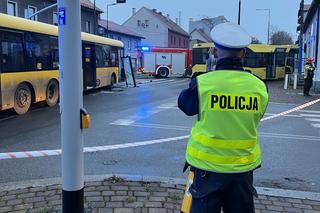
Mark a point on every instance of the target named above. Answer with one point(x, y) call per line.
point(179, 42)
point(111, 36)
point(135, 45)
point(55, 18)
point(12, 8)
point(32, 10)
point(119, 38)
point(88, 26)
point(129, 44)
point(139, 23)
point(174, 40)
point(147, 23)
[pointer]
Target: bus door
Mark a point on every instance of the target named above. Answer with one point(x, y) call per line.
point(271, 66)
point(280, 57)
point(89, 66)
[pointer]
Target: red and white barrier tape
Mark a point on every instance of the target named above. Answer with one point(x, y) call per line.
point(46, 153)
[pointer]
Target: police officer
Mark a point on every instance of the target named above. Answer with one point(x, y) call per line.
point(308, 76)
point(223, 148)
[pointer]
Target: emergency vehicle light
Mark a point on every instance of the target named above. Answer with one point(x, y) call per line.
point(145, 48)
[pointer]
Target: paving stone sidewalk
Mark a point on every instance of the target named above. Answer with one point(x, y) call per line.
point(131, 194)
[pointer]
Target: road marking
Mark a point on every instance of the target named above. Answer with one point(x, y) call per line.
point(316, 125)
point(310, 115)
point(46, 153)
point(144, 112)
point(292, 110)
point(313, 119)
point(295, 116)
point(310, 111)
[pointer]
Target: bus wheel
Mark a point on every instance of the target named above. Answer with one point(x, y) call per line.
point(52, 93)
point(163, 72)
point(22, 99)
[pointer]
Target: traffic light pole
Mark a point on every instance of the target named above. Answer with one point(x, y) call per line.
point(71, 102)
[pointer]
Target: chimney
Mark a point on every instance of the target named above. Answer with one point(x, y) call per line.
point(177, 21)
point(133, 11)
point(154, 10)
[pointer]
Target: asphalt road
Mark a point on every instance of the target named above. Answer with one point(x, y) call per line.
point(290, 143)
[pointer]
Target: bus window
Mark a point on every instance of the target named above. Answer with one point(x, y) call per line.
point(11, 52)
point(38, 52)
point(107, 52)
point(54, 49)
point(114, 57)
point(101, 56)
point(199, 55)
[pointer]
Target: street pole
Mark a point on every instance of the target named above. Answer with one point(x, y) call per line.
point(71, 101)
point(269, 25)
point(108, 5)
point(269, 22)
point(239, 13)
point(94, 16)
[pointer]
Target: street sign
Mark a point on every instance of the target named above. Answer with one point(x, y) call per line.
point(62, 16)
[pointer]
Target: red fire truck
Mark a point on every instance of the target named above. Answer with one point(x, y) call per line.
point(163, 62)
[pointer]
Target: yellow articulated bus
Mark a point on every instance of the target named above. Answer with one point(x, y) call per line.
point(29, 63)
point(265, 61)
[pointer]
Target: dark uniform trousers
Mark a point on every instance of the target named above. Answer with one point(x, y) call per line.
point(307, 84)
point(211, 192)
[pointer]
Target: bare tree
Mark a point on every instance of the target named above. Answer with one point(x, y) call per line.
point(281, 37)
point(255, 41)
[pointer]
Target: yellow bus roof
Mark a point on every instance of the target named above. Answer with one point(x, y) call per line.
point(16, 23)
point(262, 48)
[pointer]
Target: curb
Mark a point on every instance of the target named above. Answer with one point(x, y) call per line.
point(304, 195)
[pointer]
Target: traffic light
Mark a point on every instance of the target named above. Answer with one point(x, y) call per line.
point(121, 1)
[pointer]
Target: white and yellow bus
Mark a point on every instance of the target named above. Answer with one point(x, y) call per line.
point(265, 61)
point(29, 63)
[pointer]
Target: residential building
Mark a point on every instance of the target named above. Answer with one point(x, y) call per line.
point(130, 39)
point(25, 8)
point(311, 31)
point(157, 29)
point(206, 24)
point(199, 36)
point(200, 29)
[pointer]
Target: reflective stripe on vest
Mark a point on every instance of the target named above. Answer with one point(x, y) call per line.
point(225, 139)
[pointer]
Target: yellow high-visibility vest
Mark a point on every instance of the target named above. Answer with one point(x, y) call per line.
point(224, 139)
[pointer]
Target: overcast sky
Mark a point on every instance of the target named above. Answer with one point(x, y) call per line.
point(283, 12)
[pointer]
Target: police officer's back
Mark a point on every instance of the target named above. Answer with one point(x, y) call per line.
point(223, 148)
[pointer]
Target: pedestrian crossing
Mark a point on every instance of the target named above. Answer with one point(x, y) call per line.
point(312, 116)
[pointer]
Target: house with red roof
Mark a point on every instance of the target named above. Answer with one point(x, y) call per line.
point(157, 29)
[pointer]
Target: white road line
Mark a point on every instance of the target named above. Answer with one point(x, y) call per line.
point(310, 115)
point(292, 110)
point(45, 153)
point(310, 111)
point(316, 125)
point(186, 128)
point(147, 112)
point(313, 119)
point(294, 116)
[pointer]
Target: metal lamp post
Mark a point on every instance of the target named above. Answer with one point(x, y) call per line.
point(108, 5)
point(239, 13)
point(269, 13)
point(71, 102)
